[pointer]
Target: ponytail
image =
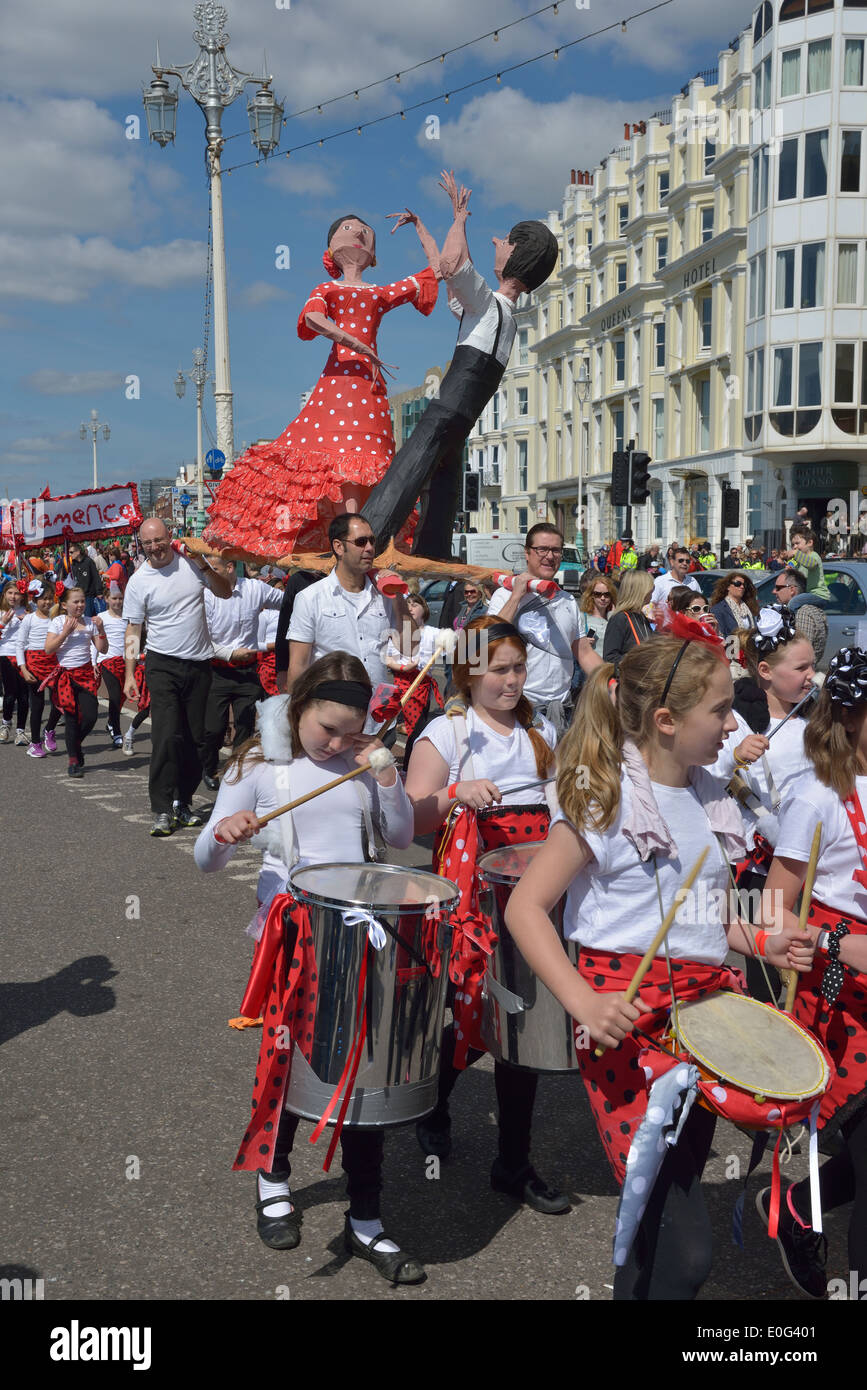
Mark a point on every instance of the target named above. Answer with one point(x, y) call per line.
point(594, 740)
point(543, 754)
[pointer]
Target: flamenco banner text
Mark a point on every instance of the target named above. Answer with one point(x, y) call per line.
point(94, 514)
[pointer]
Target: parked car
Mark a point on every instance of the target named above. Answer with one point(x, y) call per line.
point(846, 610)
point(707, 579)
point(434, 591)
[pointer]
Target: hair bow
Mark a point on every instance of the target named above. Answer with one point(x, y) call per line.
point(846, 681)
point(774, 626)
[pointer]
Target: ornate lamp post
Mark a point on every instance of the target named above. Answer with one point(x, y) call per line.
point(582, 391)
point(94, 426)
point(214, 84)
point(198, 376)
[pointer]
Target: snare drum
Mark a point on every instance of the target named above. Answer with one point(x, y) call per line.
point(378, 932)
point(759, 1068)
point(523, 1024)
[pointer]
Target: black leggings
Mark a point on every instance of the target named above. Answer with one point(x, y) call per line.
point(37, 709)
point(77, 726)
point(843, 1179)
point(516, 1093)
point(15, 692)
point(140, 718)
point(361, 1151)
point(115, 697)
point(671, 1255)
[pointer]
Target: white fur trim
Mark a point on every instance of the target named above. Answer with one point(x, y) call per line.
point(380, 759)
point(274, 731)
point(446, 641)
point(271, 838)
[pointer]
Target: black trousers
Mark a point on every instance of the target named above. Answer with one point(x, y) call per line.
point(115, 696)
point(179, 695)
point(361, 1159)
point(16, 698)
point(37, 709)
point(238, 688)
point(76, 727)
point(843, 1179)
point(671, 1255)
point(516, 1094)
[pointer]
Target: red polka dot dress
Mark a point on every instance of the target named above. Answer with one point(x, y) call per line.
point(281, 496)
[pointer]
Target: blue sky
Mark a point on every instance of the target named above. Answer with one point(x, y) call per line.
point(102, 237)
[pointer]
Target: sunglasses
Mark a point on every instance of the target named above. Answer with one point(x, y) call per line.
point(601, 593)
point(698, 609)
point(360, 541)
point(736, 584)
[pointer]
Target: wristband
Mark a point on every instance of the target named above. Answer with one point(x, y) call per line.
point(218, 837)
point(822, 941)
point(453, 792)
point(740, 762)
point(760, 941)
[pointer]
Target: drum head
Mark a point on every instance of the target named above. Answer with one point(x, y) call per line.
point(753, 1046)
point(388, 886)
point(507, 864)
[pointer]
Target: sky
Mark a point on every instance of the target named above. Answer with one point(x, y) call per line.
point(103, 237)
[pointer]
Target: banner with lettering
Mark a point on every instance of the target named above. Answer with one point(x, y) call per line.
point(94, 514)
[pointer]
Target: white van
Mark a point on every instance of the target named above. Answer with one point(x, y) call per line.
point(497, 550)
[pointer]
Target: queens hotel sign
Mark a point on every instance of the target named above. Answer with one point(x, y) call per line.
point(698, 273)
point(613, 320)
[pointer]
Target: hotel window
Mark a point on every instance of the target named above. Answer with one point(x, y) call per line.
point(705, 314)
point(658, 427)
point(656, 504)
point(759, 200)
point(522, 513)
point(755, 382)
point(797, 381)
point(617, 427)
point(753, 509)
point(659, 343)
point(790, 73)
point(762, 84)
point(787, 183)
point(663, 184)
point(706, 224)
point(819, 66)
point(784, 280)
point(850, 162)
point(813, 275)
point(495, 411)
point(846, 416)
point(588, 297)
point(523, 347)
point(661, 252)
point(699, 511)
point(847, 272)
point(853, 63)
point(710, 154)
point(796, 9)
point(620, 271)
point(815, 164)
point(495, 516)
point(522, 395)
point(619, 346)
point(522, 465)
point(589, 239)
point(622, 217)
point(764, 21)
point(757, 285)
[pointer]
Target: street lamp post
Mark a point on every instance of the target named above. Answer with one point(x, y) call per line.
point(214, 84)
point(198, 376)
point(94, 425)
point(582, 391)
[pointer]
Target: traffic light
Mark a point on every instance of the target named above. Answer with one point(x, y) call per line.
point(640, 478)
point(472, 492)
point(731, 508)
point(620, 479)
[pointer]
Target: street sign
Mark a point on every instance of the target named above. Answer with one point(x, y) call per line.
point(215, 459)
point(185, 499)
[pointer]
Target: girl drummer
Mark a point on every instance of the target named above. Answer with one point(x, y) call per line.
point(35, 665)
point(466, 767)
point(302, 745)
point(621, 845)
point(75, 683)
point(831, 1001)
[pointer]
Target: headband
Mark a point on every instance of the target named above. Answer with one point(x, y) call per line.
point(846, 681)
point(500, 630)
point(343, 693)
point(775, 626)
point(674, 666)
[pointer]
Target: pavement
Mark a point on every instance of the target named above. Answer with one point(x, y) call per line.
point(125, 1094)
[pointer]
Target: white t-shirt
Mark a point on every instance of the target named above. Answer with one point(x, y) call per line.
point(423, 652)
point(266, 631)
point(613, 905)
point(472, 300)
point(76, 650)
point(666, 582)
point(787, 762)
point(555, 624)
point(171, 602)
point(809, 802)
point(32, 633)
point(327, 831)
point(115, 629)
point(507, 759)
point(10, 632)
point(234, 621)
point(334, 620)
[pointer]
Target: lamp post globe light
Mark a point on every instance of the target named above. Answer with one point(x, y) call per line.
point(214, 84)
point(93, 426)
point(582, 391)
point(198, 376)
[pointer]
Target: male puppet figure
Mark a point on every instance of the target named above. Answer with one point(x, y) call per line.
point(429, 464)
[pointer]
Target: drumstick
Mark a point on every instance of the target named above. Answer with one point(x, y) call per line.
point(650, 954)
point(812, 694)
point(365, 767)
point(792, 975)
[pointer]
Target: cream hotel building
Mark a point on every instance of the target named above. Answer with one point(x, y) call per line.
point(710, 304)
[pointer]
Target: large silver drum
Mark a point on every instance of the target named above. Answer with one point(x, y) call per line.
point(523, 1024)
point(403, 1002)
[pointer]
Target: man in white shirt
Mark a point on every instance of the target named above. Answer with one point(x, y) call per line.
point(345, 611)
point(552, 628)
point(430, 463)
point(678, 574)
point(168, 594)
point(233, 624)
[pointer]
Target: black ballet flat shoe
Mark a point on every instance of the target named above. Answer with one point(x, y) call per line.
point(394, 1265)
point(434, 1139)
point(212, 783)
point(279, 1232)
point(526, 1186)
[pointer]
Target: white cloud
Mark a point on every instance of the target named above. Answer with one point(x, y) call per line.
point(48, 382)
point(64, 269)
point(518, 152)
point(260, 292)
point(290, 176)
point(37, 451)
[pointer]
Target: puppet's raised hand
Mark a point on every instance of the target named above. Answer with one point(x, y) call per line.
point(460, 197)
point(404, 219)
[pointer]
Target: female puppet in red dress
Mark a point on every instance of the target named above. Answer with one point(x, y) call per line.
point(281, 496)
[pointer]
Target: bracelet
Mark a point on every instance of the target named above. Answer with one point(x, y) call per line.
point(822, 941)
point(740, 762)
point(760, 941)
point(453, 792)
point(218, 837)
